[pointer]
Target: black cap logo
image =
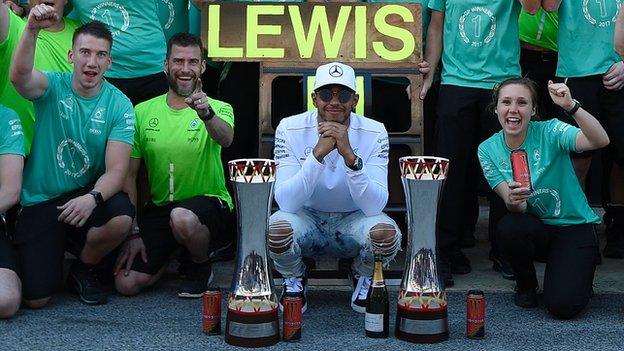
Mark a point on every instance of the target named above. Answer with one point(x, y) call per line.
point(335, 71)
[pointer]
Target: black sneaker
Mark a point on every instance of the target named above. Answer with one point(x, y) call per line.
point(84, 281)
point(444, 268)
point(294, 287)
point(360, 291)
point(503, 267)
point(198, 277)
point(526, 298)
point(460, 264)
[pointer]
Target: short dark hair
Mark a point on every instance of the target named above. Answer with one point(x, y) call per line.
point(184, 40)
point(96, 29)
point(525, 82)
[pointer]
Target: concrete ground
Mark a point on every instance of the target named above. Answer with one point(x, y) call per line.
point(158, 320)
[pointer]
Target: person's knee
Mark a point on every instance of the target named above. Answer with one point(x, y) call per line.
point(131, 284)
point(37, 303)
point(384, 239)
point(9, 304)
point(280, 237)
point(510, 232)
point(119, 225)
point(184, 222)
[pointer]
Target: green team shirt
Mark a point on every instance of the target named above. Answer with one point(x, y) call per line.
point(71, 132)
point(50, 55)
point(178, 151)
point(139, 44)
point(557, 197)
point(173, 16)
point(586, 31)
point(481, 46)
point(11, 134)
point(540, 29)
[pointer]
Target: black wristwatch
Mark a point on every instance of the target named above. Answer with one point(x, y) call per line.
point(357, 165)
point(97, 196)
point(573, 110)
point(209, 116)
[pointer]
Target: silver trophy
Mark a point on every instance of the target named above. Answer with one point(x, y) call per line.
point(252, 306)
point(422, 306)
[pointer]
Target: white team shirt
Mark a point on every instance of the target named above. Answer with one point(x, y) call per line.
point(330, 186)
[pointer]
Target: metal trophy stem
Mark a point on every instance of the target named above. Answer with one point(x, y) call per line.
point(422, 306)
point(252, 306)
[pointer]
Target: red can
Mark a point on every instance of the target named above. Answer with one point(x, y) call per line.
point(211, 321)
point(475, 314)
point(520, 168)
point(292, 318)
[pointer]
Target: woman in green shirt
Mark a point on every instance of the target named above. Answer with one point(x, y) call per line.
point(549, 217)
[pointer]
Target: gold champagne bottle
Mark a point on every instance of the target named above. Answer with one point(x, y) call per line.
point(377, 304)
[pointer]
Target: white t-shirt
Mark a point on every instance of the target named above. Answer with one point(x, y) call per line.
point(301, 181)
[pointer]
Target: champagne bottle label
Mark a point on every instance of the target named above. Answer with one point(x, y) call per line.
point(374, 322)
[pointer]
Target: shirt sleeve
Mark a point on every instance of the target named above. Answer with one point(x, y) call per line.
point(369, 186)
point(295, 181)
point(223, 110)
point(137, 146)
point(437, 5)
point(562, 134)
point(123, 127)
point(11, 133)
point(493, 174)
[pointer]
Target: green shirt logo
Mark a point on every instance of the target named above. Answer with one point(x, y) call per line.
point(474, 23)
point(106, 12)
point(601, 13)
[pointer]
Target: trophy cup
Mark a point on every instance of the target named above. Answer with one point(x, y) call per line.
point(421, 312)
point(252, 306)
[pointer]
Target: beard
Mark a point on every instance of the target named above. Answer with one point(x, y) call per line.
point(184, 92)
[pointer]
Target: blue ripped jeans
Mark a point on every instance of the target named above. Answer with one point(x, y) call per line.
point(340, 234)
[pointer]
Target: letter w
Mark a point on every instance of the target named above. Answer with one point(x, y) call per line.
point(318, 20)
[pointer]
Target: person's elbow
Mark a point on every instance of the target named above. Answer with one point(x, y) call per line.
point(602, 142)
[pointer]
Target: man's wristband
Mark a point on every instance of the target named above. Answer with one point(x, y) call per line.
point(208, 116)
point(574, 109)
point(97, 196)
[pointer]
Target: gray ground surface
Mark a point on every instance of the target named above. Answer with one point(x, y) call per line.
point(157, 320)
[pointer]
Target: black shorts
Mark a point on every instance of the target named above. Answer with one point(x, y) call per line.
point(157, 235)
point(40, 239)
point(141, 89)
point(606, 105)
point(8, 259)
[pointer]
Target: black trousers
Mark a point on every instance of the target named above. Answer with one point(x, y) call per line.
point(570, 253)
point(464, 120)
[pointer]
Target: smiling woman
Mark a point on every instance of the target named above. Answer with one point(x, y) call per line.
point(549, 217)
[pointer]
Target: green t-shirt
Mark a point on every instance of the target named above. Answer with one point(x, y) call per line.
point(178, 151)
point(51, 55)
point(481, 46)
point(174, 16)
point(585, 35)
point(139, 44)
point(557, 197)
point(11, 134)
point(540, 29)
point(71, 132)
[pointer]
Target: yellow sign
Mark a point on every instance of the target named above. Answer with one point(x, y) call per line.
point(317, 32)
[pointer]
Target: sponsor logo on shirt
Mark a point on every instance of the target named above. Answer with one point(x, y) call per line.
point(153, 123)
point(194, 124)
point(474, 23)
point(66, 106)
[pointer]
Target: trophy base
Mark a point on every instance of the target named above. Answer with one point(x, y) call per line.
point(422, 326)
point(252, 329)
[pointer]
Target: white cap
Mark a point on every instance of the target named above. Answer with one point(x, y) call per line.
point(335, 73)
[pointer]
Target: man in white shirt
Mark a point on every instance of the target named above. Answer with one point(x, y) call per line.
point(331, 187)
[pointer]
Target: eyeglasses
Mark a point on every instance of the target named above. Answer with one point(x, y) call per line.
point(326, 95)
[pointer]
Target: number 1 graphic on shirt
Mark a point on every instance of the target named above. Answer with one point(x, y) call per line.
point(603, 8)
point(108, 19)
point(477, 29)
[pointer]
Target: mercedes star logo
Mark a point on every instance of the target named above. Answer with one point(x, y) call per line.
point(153, 122)
point(335, 71)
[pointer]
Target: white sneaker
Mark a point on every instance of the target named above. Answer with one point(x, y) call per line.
point(360, 291)
point(294, 287)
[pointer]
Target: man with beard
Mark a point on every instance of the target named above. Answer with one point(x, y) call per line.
point(179, 135)
point(77, 165)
